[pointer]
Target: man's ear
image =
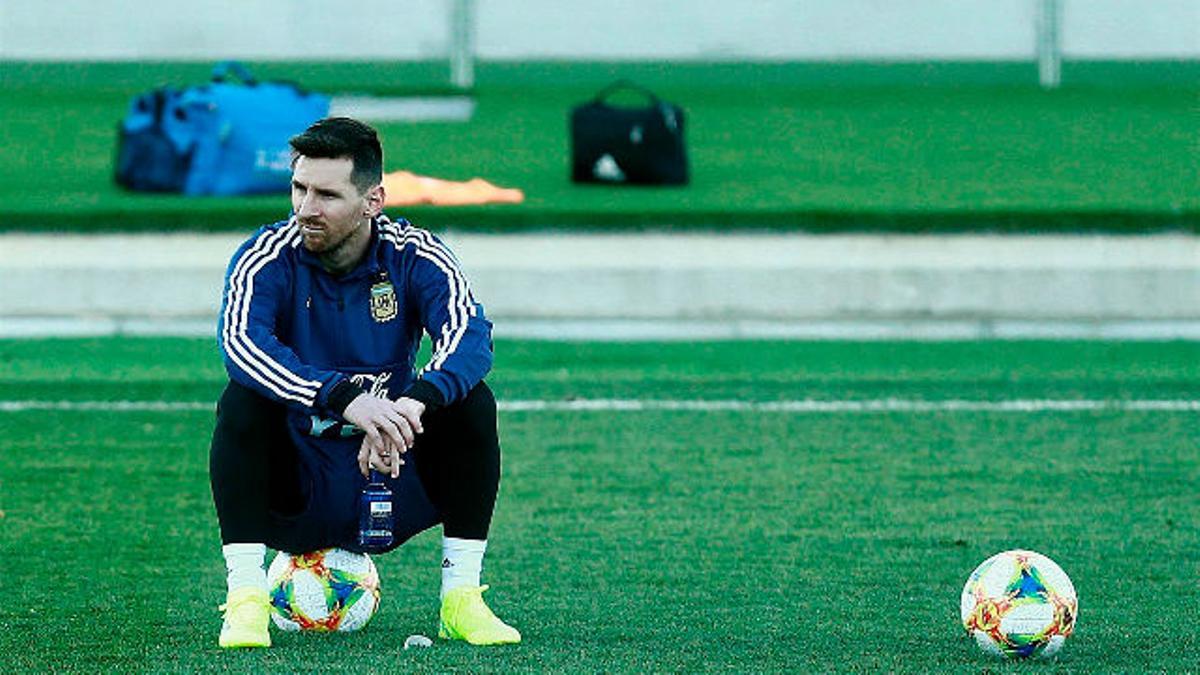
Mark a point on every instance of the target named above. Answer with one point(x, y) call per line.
point(374, 198)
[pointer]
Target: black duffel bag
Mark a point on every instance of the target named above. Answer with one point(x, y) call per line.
point(617, 144)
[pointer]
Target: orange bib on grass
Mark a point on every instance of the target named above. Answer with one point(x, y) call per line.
point(404, 188)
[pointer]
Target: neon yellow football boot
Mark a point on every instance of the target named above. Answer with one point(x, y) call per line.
point(465, 616)
point(247, 613)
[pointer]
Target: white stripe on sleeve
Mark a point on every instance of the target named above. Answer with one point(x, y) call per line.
point(240, 348)
point(460, 305)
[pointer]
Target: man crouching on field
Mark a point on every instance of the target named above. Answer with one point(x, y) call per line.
point(320, 322)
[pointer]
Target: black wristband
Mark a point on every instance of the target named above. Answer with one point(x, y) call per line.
point(341, 395)
point(426, 393)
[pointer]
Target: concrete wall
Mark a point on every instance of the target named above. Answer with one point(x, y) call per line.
point(702, 285)
point(593, 29)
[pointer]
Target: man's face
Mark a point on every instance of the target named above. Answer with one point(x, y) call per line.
point(328, 206)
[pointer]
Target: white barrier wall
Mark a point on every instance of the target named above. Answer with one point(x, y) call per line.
point(765, 285)
point(592, 29)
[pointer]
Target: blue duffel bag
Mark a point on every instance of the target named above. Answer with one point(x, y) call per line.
point(222, 138)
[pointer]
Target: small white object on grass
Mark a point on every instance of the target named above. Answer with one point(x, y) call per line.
point(417, 641)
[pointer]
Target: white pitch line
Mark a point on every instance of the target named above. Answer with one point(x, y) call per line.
point(107, 406)
point(887, 405)
point(852, 406)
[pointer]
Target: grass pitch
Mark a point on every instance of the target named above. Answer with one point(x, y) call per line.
point(644, 541)
point(902, 147)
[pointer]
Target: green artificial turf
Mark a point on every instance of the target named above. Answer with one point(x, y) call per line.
point(645, 541)
point(818, 147)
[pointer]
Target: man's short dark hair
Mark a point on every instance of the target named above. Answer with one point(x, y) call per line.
point(338, 137)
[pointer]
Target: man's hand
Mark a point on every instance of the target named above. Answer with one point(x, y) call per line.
point(391, 428)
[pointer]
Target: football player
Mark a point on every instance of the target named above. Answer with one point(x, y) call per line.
point(321, 318)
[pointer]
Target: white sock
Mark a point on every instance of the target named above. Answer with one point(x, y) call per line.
point(244, 563)
point(462, 562)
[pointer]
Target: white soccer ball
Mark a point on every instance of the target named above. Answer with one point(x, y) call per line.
point(328, 590)
point(1019, 604)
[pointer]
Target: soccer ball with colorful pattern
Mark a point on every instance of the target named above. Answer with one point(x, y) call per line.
point(328, 590)
point(1019, 604)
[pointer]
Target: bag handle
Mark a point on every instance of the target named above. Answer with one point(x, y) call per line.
point(628, 85)
point(236, 68)
point(154, 103)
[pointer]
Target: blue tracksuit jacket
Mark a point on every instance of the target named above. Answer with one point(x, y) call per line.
point(292, 332)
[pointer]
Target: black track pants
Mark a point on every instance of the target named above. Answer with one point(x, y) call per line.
point(266, 490)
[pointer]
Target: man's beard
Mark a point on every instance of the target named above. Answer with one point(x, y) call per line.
point(332, 251)
point(318, 241)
